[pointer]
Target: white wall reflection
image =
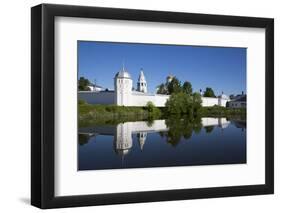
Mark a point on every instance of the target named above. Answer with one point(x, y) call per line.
point(123, 132)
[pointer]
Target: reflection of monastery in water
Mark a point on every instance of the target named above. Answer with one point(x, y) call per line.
point(123, 132)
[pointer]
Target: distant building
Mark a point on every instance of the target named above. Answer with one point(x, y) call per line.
point(239, 102)
point(95, 88)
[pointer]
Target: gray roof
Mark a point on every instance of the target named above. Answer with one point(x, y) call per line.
point(241, 99)
point(123, 74)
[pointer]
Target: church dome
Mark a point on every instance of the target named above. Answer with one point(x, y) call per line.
point(123, 74)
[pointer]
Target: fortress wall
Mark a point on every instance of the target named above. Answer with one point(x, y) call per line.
point(161, 100)
point(223, 102)
point(207, 102)
point(141, 100)
point(97, 97)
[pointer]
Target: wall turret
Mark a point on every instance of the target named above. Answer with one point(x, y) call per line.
point(123, 85)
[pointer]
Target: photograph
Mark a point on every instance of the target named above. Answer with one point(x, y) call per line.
point(139, 105)
point(160, 105)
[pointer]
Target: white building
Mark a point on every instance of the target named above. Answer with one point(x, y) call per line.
point(240, 102)
point(124, 95)
point(95, 88)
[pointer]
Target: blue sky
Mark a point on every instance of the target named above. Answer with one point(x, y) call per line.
point(223, 69)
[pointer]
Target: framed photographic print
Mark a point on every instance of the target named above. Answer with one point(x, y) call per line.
point(140, 106)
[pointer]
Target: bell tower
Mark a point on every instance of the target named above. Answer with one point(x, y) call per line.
point(142, 85)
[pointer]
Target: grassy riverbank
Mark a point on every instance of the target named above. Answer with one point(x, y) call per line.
point(218, 111)
point(112, 114)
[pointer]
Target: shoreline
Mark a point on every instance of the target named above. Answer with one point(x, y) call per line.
point(89, 114)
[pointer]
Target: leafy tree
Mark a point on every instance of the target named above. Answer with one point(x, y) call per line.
point(150, 107)
point(83, 84)
point(209, 92)
point(174, 86)
point(153, 111)
point(179, 103)
point(197, 102)
point(187, 88)
point(162, 89)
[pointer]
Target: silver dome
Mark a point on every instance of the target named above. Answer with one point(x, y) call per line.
point(123, 74)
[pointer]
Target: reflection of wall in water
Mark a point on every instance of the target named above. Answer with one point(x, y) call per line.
point(221, 122)
point(123, 136)
point(123, 132)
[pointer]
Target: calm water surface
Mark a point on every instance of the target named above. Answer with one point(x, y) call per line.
point(162, 143)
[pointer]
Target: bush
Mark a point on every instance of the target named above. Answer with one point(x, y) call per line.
point(180, 103)
point(82, 102)
point(153, 111)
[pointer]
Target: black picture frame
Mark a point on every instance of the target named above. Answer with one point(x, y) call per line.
point(43, 111)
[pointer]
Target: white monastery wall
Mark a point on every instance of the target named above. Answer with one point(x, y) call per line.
point(135, 99)
point(97, 97)
point(222, 102)
point(123, 95)
point(142, 99)
point(206, 101)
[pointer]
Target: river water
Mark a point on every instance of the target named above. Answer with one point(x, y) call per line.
point(162, 143)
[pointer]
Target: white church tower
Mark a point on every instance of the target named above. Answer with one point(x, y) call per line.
point(142, 85)
point(123, 84)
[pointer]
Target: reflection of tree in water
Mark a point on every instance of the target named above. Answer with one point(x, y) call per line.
point(181, 127)
point(83, 139)
point(162, 134)
point(197, 124)
point(209, 129)
point(149, 121)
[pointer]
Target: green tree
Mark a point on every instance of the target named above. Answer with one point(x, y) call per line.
point(83, 84)
point(209, 92)
point(179, 103)
point(187, 88)
point(174, 86)
point(162, 89)
point(153, 111)
point(197, 102)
